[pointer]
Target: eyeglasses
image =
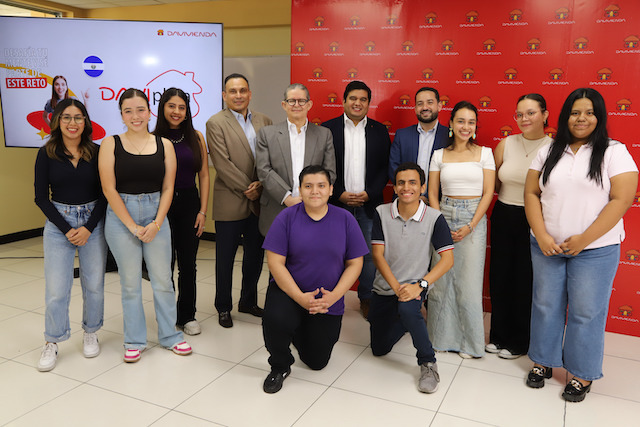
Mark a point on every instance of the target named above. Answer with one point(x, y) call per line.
point(292, 102)
point(529, 115)
point(67, 119)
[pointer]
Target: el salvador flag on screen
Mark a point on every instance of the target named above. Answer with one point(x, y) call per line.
point(93, 66)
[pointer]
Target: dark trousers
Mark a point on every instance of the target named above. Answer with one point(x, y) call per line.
point(390, 319)
point(228, 235)
point(184, 243)
point(285, 322)
point(510, 278)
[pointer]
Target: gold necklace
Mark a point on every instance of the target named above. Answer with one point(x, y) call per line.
point(524, 147)
point(136, 147)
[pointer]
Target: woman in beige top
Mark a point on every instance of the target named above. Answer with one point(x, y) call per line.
point(510, 274)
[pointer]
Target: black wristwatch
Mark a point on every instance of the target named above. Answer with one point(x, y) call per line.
point(423, 284)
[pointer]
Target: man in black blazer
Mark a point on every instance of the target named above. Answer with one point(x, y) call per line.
point(362, 157)
point(417, 143)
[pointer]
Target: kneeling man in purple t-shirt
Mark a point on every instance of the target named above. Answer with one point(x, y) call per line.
point(314, 252)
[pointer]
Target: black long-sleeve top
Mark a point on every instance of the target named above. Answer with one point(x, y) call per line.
point(69, 185)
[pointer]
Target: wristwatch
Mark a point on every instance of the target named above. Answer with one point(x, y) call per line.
point(423, 284)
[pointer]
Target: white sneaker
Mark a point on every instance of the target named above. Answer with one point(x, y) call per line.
point(491, 348)
point(506, 354)
point(91, 346)
point(465, 355)
point(49, 357)
point(192, 328)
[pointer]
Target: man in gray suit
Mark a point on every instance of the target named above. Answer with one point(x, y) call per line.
point(231, 136)
point(284, 149)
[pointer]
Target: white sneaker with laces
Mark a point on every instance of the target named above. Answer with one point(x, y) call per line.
point(91, 347)
point(49, 357)
point(192, 328)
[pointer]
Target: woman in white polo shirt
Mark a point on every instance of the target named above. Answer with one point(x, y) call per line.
point(467, 174)
point(576, 193)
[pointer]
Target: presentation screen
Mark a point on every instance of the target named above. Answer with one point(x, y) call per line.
point(95, 61)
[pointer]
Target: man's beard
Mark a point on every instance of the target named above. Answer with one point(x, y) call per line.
point(434, 117)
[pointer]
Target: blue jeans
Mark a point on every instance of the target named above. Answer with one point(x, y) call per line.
point(59, 254)
point(454, 315)
point(575, 288)
point(368, 272)
point(129, 251)
point(390, 319)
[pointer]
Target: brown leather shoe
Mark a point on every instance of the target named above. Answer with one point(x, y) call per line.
point(364, 308)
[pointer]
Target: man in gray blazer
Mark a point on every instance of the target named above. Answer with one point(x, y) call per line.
point(284, 149)
point(231, 136)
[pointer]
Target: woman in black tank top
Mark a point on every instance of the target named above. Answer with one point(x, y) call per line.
point(138, 172)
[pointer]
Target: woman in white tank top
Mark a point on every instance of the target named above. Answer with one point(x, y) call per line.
point(465, 172)
point(510, 273)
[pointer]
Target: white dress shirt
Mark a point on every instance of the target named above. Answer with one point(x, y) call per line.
point(297, 141)
point(355, 155)
point(247, 128)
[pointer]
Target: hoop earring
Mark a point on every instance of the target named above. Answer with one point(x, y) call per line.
point(450, 132)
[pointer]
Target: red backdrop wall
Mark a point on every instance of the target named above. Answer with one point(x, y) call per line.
point(488, 53)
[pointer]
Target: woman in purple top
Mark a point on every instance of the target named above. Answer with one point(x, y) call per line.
point(188, 211)
point(67, 168)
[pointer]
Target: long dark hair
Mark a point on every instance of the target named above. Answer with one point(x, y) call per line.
point(190, 134)
point(55, 147)
point(460, 106)
point(54, 94)
point(599, 138)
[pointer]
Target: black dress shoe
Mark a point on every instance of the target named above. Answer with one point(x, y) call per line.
point(575, 391)
point(254, 310)
point(537, 375)
point(224, 318)
point(273, 382)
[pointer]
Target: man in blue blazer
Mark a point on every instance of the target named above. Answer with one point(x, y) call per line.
point(361, 145)
point(417, 143)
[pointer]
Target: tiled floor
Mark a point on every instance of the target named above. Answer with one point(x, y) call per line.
point(221, 383)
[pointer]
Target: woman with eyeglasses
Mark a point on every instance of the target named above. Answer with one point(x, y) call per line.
point(510, 273)
point(465, 171)
point(138, 172)
point(188, 210)
point(575, 195)
point(67, 190)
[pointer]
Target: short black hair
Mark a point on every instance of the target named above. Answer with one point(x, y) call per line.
point(234, 76)
point(356, 85)
point(312, 170)
point(410, 166)
point(428, 89)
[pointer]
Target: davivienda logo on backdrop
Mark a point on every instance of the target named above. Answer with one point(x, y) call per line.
point(93, 66)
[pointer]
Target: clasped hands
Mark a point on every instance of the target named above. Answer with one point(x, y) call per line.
point(409, 291)
point(354, 199)
point(145, 234)
point(315, 305)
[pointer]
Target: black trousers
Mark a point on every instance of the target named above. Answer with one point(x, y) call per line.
point(285, 322)
point(184, 242)
point(228, 236)
point(510, 278)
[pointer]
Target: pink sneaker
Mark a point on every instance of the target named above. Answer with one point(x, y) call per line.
point(131, 355)
point(182, 348)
